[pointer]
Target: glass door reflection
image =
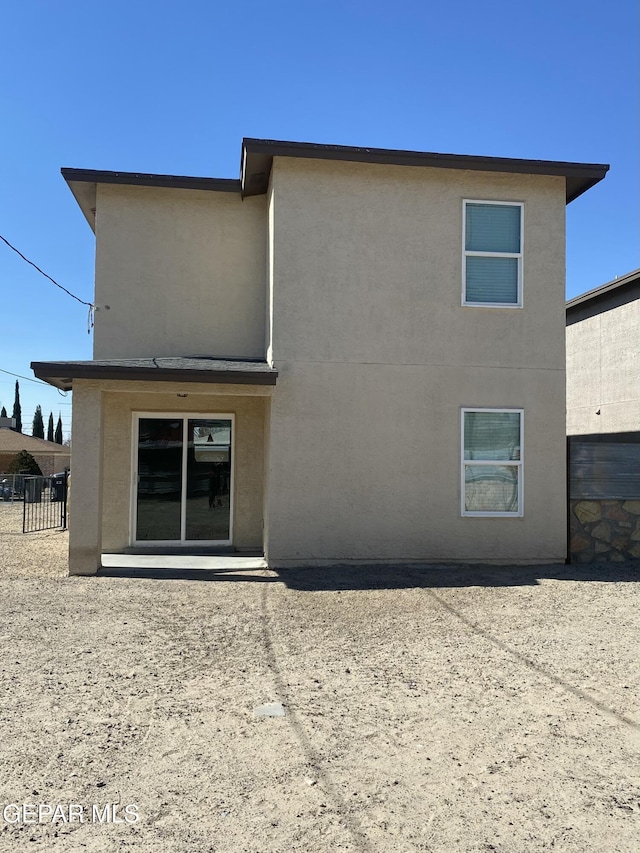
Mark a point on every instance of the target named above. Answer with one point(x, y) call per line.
point(208, 488)
point(183, 491)
point(159, 492)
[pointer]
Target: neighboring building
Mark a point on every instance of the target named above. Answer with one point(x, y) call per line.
point(51, 457)
point(603, 358)
point(350, 354)
point(603, 421)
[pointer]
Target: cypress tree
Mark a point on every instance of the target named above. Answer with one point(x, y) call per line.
point(50, 427)
point(58, 435)
point(37, 428)
point(17, 409)
point(3, 413)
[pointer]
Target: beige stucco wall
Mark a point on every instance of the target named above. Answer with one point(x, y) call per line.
point(182, 271)
point(377, 356)
point(367, 267)
point(374, 474)
point(108, 406)
point(603, 372)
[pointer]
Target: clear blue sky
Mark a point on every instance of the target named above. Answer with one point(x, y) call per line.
point(172, 88)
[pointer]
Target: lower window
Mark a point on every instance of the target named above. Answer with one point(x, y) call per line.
point(492, 462)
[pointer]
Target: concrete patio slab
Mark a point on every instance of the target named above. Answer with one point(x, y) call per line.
point(225, 563)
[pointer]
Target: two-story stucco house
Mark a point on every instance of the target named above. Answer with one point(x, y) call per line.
point(348, 354)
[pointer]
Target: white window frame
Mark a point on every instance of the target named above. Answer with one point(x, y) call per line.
point(519, 463)
point(465, 254)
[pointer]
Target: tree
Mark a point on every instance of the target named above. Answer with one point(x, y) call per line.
point(17, 409)
point(50, 427)
point(23, 463)
point(3, 413)
point(37, 428)
point(58, 435)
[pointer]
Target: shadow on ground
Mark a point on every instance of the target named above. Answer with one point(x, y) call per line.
point(347, 577)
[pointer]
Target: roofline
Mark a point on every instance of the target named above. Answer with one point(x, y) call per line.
point(83, 184)
point(258, 154)
point(51, 446)
point(61, 374)
point(617, 283)
point(257, 160)
point(144, 179)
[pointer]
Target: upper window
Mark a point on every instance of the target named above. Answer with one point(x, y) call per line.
point(492, 263)
point(492, 462)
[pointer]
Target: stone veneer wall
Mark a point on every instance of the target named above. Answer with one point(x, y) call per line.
point(604, 530)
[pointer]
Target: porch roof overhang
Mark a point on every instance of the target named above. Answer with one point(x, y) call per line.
point(61, 374)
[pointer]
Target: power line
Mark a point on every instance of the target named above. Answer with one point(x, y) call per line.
point(90, 305)
point(20, 376)
point(82, 301)
point(30, 413)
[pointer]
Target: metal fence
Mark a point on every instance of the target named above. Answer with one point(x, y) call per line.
point(11, 487)
point(604, 467)
point(44, 502)
point(44, 499)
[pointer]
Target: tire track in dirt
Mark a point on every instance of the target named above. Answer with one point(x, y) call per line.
point(332, 791)
point(532, 665)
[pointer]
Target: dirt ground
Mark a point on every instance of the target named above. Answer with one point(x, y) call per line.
point(433, 709)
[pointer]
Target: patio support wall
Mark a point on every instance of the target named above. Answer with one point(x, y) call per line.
point(85, 504)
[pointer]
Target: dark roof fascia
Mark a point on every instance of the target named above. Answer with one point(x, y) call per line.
point(62, 374)
point(613, 294)
point(83, 184)
point(621, 281)
point(140, 179)
point(258, 154)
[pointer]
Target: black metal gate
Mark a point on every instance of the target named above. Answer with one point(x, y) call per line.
point(45, 503)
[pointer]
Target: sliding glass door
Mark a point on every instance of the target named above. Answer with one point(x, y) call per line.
point(208, 481)
point(183, 475)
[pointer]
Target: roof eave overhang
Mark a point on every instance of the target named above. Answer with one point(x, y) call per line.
point(85, 193)
point(257, 160)
point(62, 374)
point(83, 184)
point(614, 294)
point(626, 280)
